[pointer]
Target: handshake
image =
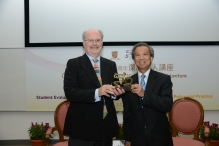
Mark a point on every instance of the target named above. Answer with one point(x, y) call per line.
point(123, 81)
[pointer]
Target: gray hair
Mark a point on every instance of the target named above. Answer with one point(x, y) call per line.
point(142, 44)
point(85, 32)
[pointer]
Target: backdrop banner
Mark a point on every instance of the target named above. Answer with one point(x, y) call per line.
point(193, 70)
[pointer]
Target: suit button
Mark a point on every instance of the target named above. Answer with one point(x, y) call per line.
point(145, 127)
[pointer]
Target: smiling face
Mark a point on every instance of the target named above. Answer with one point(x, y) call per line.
point(142, 58)
point(93, 43)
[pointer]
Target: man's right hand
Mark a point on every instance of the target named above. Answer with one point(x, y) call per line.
point(106, 90)
point(137, 89)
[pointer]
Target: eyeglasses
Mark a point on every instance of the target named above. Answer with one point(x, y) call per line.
point(91, 40)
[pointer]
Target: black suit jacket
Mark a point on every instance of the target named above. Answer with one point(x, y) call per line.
point(84, 119)
point(149, 124)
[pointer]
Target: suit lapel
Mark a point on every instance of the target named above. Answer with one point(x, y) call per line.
point(88, 68)
point(135, 81)
point(135, 78)
point(151, 81)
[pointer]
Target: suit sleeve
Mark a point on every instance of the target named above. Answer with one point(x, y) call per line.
point(126, 118)
point(161, 98)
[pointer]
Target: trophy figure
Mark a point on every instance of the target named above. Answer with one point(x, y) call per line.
point(123, 81)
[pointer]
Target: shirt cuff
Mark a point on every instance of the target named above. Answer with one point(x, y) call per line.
point(96, 97)
point(113, 97)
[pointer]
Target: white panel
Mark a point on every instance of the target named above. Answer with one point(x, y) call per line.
point(12, 80)
point(122, 20)
point(11, 23)
point(193, 70)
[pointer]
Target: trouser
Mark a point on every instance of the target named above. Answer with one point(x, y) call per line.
point(80, 142)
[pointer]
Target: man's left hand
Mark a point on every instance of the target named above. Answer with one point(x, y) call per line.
point(118, 91)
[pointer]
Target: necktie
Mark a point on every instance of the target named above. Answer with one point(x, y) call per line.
point(143, 86)
point(143, 82)
point(97, 71)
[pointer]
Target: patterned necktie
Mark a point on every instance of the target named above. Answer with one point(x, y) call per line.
point(143, 82)
point(97, 71)
point(143, 86)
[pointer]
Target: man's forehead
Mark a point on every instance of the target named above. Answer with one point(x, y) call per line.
point(142, 48)
point(93, 33)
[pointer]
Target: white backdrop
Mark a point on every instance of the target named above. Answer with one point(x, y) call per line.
point(193, 73)
point(124, 20)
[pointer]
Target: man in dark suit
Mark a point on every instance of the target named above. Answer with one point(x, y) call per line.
point(87, 94)
point(145, 107)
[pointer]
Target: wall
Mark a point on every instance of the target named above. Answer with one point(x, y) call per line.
point(14, 124)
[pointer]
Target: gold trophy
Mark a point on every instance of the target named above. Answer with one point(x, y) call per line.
point(123, 81)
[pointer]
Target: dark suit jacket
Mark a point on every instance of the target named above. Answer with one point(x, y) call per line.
point(84, 119)
point(150, 124)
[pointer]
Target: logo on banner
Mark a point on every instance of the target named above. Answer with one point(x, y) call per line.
point(114, 55)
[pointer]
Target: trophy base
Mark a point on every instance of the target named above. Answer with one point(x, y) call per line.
point(127, 87)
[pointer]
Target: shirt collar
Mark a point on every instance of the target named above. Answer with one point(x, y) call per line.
point(146, 73)
point(91, 58)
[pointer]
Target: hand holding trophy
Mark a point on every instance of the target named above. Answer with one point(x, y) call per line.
point(123, 81)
